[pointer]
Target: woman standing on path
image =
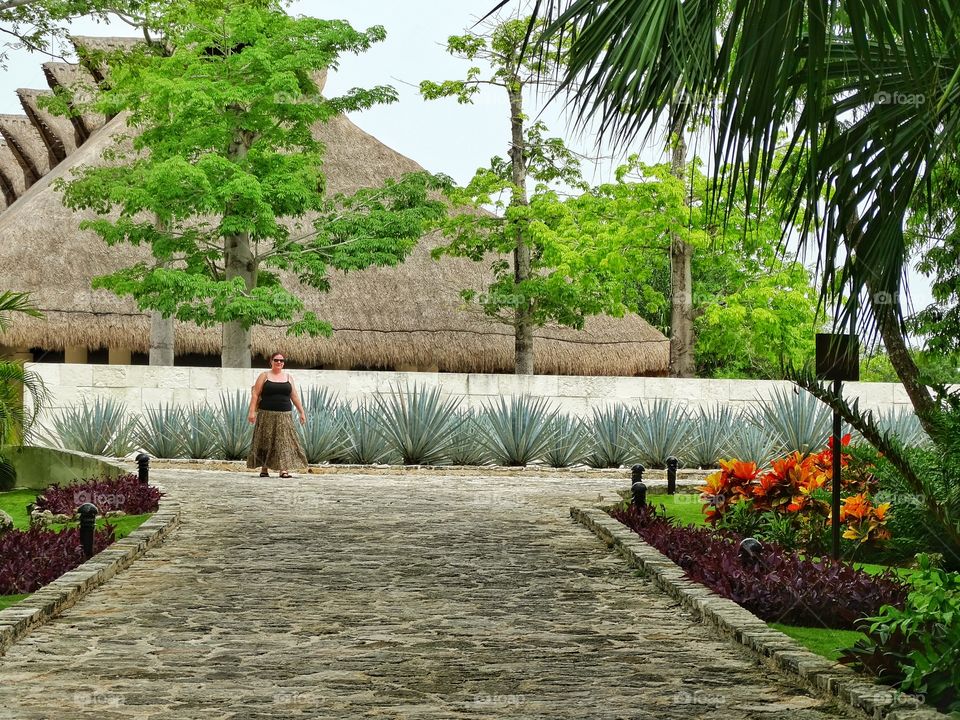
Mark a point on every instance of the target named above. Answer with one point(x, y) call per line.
point(275, 443)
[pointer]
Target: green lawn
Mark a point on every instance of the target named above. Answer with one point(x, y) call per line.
point(14, 503)
point(686, 507)
point(822, 641)
point(8, 600)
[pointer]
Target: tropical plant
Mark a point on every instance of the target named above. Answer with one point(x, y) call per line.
point(233, 428)
point(100, 427)
point(466, 447)
point(800, 422)
point(608, 426)
point(364, 442)
point(710, 432)
point(125, 493)
point(917, 648)
point(570, 442)
point(16, 423)
point(200, 434)
point(657, 431)
point(160, 431)
point(322, 434)
point(418, 423)
point(30, 559)
point(905, 426)
point(753, 443)
point(517, 431)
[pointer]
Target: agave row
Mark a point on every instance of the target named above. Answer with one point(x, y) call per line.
point(415, 425)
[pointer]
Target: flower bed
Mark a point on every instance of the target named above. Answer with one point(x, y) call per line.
point(125, 494)
point(778, 585)
point(30, 559)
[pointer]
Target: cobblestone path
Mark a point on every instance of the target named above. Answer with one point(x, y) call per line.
point(385, 597)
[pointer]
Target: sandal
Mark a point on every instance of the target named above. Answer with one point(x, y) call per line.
point(286, 475)
point(266, 474)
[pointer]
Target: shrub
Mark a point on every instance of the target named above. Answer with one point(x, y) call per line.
point(917, 647)
point(101, 427)
point(125, 493)
point(30, 559)
point(200, 435)
point(234, 429)
point(658, 430)
point(710, 433)
point(611, 440)
point(780, 586)
point(800, 421)
point(466, 447)
point(518, 431)
point(363, 442)
point(160, 431)
point(569, 444)
point(418, 423)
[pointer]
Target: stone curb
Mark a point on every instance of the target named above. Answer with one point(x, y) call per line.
point(64, 592)
point(824, 676)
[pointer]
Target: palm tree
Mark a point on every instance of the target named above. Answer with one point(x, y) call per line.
point(867, 92)
point(15, 422)
point(867, 95)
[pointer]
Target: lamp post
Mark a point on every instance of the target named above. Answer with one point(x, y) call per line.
point(637, 487)
point(838, 359)
point(88, 524)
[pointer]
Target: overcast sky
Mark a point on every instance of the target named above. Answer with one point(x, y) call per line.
point(441, 135)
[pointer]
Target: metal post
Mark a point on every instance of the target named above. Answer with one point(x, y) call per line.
point(143, 468)
point(835, 510)
point(88, 523)
point(672, 475)
point(637, 487)
point(749, 551)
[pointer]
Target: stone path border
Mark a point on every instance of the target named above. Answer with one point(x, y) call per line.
point(824, 676)
point(51, 600)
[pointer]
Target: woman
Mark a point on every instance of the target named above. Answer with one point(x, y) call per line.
point(275, 442)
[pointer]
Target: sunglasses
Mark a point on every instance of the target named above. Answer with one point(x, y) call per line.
point(283, 360)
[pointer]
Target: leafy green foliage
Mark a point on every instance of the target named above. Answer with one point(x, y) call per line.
point(752, 443)
point(466, 447)
point(917, 648)
point(225, 171)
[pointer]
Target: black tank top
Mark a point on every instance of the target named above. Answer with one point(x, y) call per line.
point(276, 396)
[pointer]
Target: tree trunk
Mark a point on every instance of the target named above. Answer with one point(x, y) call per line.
point(237, 336)
point(161, 339)
point(682, 336)
point(161, 329)
point(239, 262)
point(523, 322)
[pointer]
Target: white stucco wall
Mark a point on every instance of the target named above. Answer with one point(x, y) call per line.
point(142, 386)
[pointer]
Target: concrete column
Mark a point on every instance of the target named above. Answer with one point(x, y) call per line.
point(118, 356)
point(161, 339)
point(76, 355)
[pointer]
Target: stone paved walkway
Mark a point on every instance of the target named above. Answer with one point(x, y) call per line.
point(385, 597)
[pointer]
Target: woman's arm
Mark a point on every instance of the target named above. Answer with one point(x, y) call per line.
point(255, 398)
point(295, 399)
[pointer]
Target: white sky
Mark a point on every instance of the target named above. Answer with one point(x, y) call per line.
point(441, 135)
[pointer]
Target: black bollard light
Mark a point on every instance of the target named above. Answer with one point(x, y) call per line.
point(637, 488)
point(750, 549)
point(88, 523)
point(672, 475)
point(143, 468)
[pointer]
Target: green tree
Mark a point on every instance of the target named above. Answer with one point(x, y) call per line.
point(868, 93)
point(15, 379)
point(224, 182)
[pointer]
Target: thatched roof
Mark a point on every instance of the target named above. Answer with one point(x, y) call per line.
point(77, 83)
point(382, 317)
point(27, 146)
point(11, 176)
point(56, 131)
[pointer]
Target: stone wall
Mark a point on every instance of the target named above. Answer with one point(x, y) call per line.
point(142, 386)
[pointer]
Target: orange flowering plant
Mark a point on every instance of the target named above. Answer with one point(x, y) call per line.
point(799, 487)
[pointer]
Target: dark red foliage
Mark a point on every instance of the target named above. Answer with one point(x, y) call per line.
point(779, 586)
point(32, 558)
point(125, 493)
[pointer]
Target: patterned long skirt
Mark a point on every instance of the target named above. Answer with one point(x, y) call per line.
point(275, 442)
